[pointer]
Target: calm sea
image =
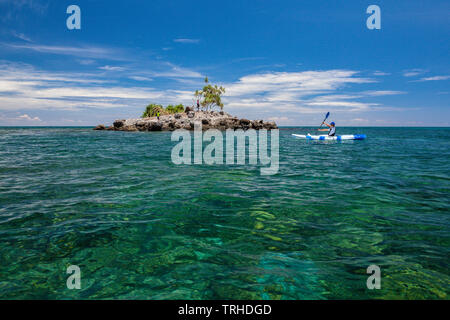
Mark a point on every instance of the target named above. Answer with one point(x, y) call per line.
point(141, 227)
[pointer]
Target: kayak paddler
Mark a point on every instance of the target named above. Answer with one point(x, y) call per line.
point(331, 130)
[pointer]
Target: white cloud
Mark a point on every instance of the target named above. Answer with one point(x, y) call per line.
point(359, 120)
point(28, 118)
point(21, 74)
point(80, 52)
point(140, 78)
point(383, 93)
point(352, 105)
point(185, 40)
point(174, 71)
point(87, 55)
point(111, 68)
point(381, 73)
point(22, 87)
point(435, 78)
point(280, 94)
point(306, 92)
point(279, 118)
point(21, 36)
point(300, 82)
point(413, 72)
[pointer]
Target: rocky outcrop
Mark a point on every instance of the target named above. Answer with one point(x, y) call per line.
point(186, 120)
point(100, 127)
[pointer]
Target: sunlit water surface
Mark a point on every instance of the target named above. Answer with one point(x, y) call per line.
point(140, 227)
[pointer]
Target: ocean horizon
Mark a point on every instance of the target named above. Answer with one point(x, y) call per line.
point(313, 128)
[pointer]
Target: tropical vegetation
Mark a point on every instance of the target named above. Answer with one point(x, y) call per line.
point(209, 97)
point(175, 109)
point(152, 110)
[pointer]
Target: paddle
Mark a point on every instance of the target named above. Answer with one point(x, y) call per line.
point(326, 117)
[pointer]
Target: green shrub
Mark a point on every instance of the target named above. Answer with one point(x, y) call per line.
point(175, 109)
point(170, 108)
point(152, 109)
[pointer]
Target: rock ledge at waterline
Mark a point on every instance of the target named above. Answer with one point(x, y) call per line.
point(209, 119)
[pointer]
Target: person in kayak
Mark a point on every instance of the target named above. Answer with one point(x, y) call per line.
point(332, 128)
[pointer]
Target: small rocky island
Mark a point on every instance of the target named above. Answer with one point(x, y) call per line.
point(158, 118)
point(185, 120)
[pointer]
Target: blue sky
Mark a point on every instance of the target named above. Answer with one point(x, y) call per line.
point(290, 61)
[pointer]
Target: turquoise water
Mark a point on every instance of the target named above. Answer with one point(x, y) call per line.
point(140, 227)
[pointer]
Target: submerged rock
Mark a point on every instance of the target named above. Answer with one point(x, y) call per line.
point(186, 120)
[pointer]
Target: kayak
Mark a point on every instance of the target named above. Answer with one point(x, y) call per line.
point(337, 138)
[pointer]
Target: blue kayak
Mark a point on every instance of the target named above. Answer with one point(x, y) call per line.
point(337, 138)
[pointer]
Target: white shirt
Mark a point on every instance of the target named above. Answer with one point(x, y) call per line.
point(332, 131)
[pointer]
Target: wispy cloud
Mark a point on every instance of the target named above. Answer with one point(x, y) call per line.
point(413, 72)
point(186, 40)
point(21, 36)
point(28, 118)
point(435, 78)
point(382, 93)
point(23, 74)
point(111, 68)
point(173, 71)
point(25, 89)
point(306, 92)
point(247, 59)
point(80, 52)
point(22, 87)
point(381, 73)
point(140, 78)
point(359, 120)
point(277, 119)
point(339, 103)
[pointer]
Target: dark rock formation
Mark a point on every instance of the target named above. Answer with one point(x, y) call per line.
point(217, 120)
point(118, 124)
